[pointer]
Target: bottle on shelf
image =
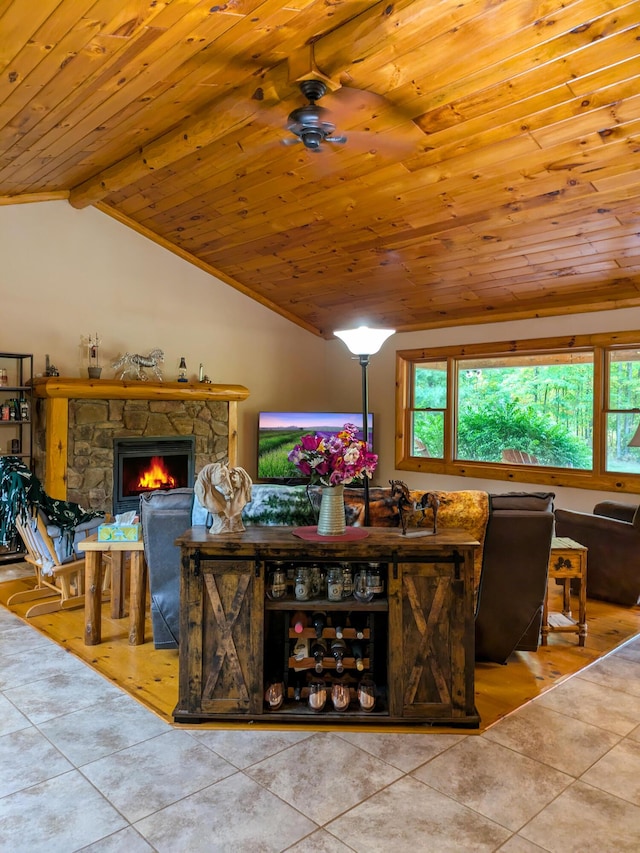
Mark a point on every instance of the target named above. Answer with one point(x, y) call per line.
point(297, 690)
point(358, 655)
point(339, 650)
point(374, 579)
point(319, 621)
point(338, 621)
point(300, 649)
point(359, 622)
point(318, 651)
point(347, 580)
point(299, 621)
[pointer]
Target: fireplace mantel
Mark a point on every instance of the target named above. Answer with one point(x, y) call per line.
point(55, 387)
point(57, 391)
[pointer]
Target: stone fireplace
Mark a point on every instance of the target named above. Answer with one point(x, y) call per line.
point(78, 421)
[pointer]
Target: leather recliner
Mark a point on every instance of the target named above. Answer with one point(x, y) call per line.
point(611, 535)
point(513, 581)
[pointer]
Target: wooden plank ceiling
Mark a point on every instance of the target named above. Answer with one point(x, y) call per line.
point(490, 170)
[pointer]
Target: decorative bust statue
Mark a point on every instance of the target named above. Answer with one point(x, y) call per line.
point(223, 492)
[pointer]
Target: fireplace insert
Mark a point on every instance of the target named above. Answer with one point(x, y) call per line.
point(144, 464)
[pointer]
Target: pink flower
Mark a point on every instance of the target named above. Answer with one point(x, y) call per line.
point(334, 459)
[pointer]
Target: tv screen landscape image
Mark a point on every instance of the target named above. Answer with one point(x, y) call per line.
point(279, 432)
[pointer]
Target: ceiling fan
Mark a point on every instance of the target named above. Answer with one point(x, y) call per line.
point(310, 124)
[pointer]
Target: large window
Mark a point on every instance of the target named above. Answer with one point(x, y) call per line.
point(554, 411)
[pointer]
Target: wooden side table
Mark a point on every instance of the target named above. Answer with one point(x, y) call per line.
point(93, 587)
point(567, 562)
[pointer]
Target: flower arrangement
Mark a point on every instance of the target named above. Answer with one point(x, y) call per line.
point(334, 459)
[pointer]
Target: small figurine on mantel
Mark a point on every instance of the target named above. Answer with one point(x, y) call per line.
point(135, 364)
point(223, 492)
point(94, 362)
point(202, 376)
point(50, 369)
point(182, 371)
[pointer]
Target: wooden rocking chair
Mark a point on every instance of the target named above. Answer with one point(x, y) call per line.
point(61, 583)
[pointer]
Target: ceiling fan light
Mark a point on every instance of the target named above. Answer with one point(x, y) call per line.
point(312, 139)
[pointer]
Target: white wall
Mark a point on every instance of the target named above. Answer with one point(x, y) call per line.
point(66, 273)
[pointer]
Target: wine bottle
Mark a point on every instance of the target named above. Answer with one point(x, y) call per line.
point(358, 621)
point(297, 690)
point(299, 621)
point(318, 651)
point(339, 625)
point(319, 620)
point(300, 648)
point(356, 651)
point(338, 650)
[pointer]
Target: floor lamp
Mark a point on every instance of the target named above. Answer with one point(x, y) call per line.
point(365, 342)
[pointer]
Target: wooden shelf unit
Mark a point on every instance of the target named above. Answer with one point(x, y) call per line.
point(16, 433)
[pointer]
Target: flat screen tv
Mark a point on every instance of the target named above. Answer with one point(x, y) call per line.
point(279, 432)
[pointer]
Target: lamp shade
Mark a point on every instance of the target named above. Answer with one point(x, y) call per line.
point(635, 441)
point(364, 341)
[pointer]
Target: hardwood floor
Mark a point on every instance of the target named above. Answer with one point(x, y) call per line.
point(151, 675)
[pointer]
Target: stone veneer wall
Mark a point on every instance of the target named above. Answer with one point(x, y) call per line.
point(93, 425)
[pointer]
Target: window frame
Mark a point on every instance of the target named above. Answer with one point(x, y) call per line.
point(595, 478)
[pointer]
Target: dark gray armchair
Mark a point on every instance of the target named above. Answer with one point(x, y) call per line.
point(165, 515)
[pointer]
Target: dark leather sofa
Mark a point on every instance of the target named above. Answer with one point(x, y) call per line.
point(612, 536)
point(512, 581)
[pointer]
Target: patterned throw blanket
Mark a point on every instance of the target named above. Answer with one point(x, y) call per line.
point(296, 506)
point(466, 509)
point(21, 494)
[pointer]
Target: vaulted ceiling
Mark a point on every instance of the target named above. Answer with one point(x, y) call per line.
point(490, 170)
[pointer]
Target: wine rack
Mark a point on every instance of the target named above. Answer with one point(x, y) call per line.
point(298, 672)
point(240, 603)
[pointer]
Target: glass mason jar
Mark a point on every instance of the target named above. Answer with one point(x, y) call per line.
point(374, 579)
point(335, 584)
point(303, 584)
point(277, 582)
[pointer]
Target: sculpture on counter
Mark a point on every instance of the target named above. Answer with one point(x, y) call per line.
point(223, 492)
point(135, 363)
point(408, 507)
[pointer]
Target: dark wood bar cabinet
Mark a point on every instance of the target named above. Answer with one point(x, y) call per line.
point(237, 637)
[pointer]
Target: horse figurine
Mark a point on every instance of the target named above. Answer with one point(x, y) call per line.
point(223, 492)
point(406, 506)
point(135, 363)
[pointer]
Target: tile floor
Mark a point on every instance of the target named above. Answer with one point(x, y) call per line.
point(85, 767)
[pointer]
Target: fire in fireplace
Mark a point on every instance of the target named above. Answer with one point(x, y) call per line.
point(149, 463)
